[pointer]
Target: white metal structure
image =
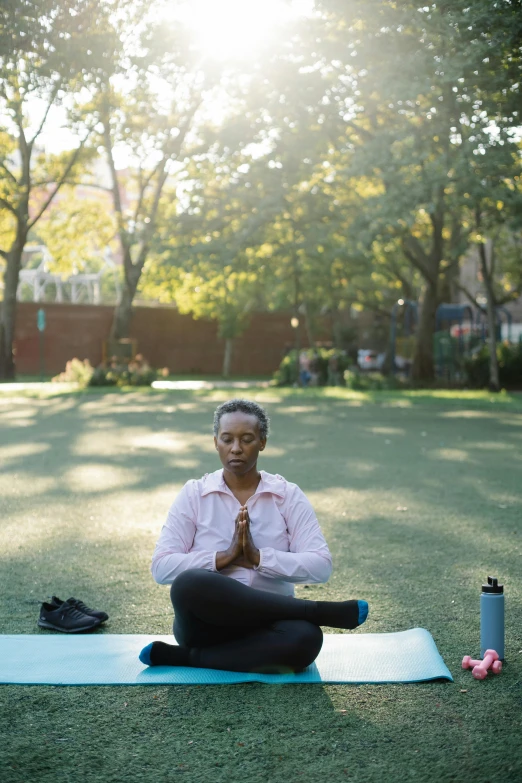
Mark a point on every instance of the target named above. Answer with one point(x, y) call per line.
point(76, 288)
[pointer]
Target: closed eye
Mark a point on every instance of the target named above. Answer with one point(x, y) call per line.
point(245, 440)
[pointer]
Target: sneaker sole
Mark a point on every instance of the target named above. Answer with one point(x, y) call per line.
point(51, 627)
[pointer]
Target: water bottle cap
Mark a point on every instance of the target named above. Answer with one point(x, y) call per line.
point(492, 586)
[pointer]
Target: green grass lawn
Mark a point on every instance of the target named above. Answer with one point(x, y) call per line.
point(85, 483)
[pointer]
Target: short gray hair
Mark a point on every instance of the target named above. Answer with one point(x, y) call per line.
point(245, 406)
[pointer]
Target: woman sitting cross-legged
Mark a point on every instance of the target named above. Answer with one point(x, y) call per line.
point(233, 545)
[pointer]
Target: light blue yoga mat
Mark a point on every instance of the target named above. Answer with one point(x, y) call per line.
point(110, 659)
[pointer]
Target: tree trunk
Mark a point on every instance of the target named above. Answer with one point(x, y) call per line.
point(227, 356)
point(494, 382)
point(428, 264)
point(308, 327)
point(423, 367)
point(123, 310)
point(122, 316)
point(336, 330)
point(449, 284)
point(8, 308)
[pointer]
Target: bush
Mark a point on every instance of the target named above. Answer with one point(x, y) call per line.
point(371, 381)
point(327, 366)
point(76, 371)
point(509, 366)
point(286, 374)
point(137, 372)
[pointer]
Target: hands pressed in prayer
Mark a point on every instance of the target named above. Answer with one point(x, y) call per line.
point(250, 555)
point(242, 550)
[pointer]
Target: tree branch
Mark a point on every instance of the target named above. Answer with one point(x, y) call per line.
point(54, 93)
point(180, 138)
point(470, 296)
point(393, 272)
point(73, 182)
point(147, 233)
point(511, 296)
point(486, 272)
point(177, 145)
point(144, 185)
point(374, 307)
point(366, 134)
point(59, 184)
point(414, 252)
point(437, 222)
point(115, 189)
point(6, 205)
point(9, 173)
point(493, 259)
point(25, 152)
point(141, 187)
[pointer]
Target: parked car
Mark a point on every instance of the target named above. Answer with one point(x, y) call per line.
point(370, 360)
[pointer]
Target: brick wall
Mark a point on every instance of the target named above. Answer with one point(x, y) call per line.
point(164, 336)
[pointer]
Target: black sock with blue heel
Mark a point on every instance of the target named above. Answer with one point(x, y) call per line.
point(161, 654)
point(337, 614)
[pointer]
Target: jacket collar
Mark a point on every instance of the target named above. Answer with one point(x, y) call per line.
point(270, 483)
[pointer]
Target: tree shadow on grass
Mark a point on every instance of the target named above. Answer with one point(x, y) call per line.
point(411, 565)
point(113, 576)
point(127, 453)
point(67, 449)
point(360, 457)
point(222, 733)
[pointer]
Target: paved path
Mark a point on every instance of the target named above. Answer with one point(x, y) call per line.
point(181, 385)
point(36, 386)
point(209, 384)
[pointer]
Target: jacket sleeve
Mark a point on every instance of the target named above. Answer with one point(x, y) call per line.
point(172, 554)
point(308, 559)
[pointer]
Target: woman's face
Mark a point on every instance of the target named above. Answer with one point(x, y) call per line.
point(238, 442)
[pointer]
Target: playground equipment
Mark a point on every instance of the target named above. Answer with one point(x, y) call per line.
point(454, 339)
point(502, 313)
point(454, 313)
point(77, 288)
point(459, 330)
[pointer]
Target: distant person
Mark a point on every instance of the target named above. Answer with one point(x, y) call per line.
point(314, 369)
point(304, 369)
point(334, 376)
point(234, 544)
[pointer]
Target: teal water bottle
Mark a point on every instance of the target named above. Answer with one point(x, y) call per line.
point(492, 617)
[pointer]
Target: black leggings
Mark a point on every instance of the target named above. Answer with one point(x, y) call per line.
point(228, 625)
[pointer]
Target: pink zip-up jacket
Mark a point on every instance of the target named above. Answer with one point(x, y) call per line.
point(201, 522)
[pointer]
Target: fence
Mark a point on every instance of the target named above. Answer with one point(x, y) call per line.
point(164, 336)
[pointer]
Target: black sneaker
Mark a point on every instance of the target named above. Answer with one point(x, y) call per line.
point(66, 618)
point(101, 616)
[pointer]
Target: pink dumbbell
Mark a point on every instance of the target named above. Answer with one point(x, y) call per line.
point(480, 668)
